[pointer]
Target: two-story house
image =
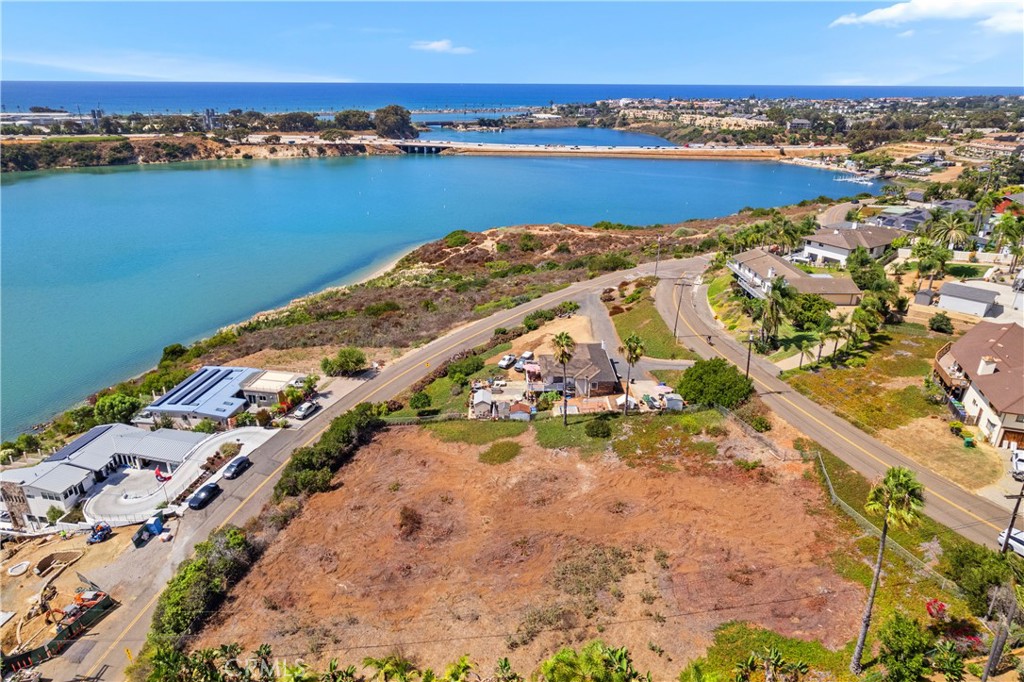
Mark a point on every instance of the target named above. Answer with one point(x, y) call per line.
point(983, 373)
point(835, 245)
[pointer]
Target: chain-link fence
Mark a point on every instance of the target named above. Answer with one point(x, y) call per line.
point(890, 544)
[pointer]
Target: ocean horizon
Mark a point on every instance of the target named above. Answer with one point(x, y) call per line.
point(162, 97)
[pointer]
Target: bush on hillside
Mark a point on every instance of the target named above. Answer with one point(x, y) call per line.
point(940, 322)
point(715, 382)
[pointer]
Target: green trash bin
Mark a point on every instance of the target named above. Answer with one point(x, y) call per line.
point(969, 442)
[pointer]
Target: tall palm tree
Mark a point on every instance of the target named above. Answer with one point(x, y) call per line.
point(459, 670)
point(836, 332)
point(805, 347)
point(564, 347)
point(822, 329)
point(899, 498)
point(633, 349)
point(953, 229)
point(776, 304)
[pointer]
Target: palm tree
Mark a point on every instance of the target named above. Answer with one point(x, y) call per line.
point(806, 346)
point(899, 498)
point(503, 672)
point(335, 673)
point(297, 673)
point(391, 667)
point(696, 673)
point(776, 303)
point(953, 229)
point(822, 329)
point(633, 349)
point(564, 347)
point(836, 332)
point(459, 670)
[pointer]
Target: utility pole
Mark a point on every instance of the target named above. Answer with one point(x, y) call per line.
point(1013, 518)
point(657, 258)
point(679, 304)
point(750, 347)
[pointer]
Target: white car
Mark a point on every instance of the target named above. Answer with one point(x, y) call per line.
point(526, 356)
point(1016, 541)
point(305, 409)
point(507, 361)
point(1017, 465)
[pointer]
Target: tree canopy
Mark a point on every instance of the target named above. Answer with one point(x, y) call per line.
point(394, 122)
point(715, 382)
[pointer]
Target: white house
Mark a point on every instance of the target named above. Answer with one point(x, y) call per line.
point(984, 371)
point(962, 298)
point(834, 245)
point(483, 403)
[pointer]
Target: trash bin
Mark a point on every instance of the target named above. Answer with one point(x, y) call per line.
point(968, 442)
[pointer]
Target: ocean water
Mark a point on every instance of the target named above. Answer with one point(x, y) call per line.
point(160, 97)
point(101, 268)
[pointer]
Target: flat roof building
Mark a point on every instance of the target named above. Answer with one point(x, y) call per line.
point(267, 387)
point(211, 393)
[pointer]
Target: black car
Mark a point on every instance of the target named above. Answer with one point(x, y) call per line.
point(238, 465)
point(204, 495)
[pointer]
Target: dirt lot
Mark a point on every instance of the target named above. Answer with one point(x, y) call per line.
point(543, 551)
point(16, 591)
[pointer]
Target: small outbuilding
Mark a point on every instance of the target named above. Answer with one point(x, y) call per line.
point(483, 404)
point(520, 411)
point(674, 402)
point(962, 298)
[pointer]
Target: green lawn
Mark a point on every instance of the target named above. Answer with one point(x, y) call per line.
point(670, 377)
point(551, 434)
point(967, 270)
point(856, 392)
point(644, 319)
point(790, 339)
point(476, 432)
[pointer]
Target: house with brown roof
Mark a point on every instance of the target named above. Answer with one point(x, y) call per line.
point(755, 270)
point(983, 373)
point(589, 373)
point(834, 245)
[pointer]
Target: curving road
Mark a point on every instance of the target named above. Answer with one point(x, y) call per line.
point(960, 510)
point(102, 653)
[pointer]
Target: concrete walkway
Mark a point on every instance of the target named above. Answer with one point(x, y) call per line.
point(131, 495)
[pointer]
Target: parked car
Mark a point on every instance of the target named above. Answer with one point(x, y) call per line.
point(527, 356)
point(204, 496)
point(237, 466)
point(507, 361)
point(520, 366)
point(1017, 465)
point(1016, 541)
point(305, 409)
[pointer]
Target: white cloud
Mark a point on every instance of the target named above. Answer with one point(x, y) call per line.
point(443, 46)
point(1002, 16)
point(167, 67)
point(909, 33)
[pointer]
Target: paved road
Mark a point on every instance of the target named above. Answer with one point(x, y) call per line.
point(101, 653)
point(973, 517)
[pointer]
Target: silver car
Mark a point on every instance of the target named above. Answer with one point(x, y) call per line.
point(305, 409)
point(1016, 541)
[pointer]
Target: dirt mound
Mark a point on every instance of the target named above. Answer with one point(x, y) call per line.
point(546, 550)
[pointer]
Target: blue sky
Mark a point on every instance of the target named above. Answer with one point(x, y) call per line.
point(916, 42)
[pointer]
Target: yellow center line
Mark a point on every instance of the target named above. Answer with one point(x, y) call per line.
point(675, 300)
point(279, 469)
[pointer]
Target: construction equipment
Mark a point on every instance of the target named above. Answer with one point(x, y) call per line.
point(100, 532)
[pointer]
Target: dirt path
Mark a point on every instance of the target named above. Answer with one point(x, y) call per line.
point(703, 549)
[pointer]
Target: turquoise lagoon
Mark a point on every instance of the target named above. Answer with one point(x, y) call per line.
point(101, 268)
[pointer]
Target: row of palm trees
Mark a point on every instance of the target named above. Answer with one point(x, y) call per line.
point(778, 230)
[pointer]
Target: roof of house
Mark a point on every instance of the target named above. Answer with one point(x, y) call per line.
point(482, 396)
point(956, 204)
point(968, 293)
point(915, 195)
point(269, 381)
point(95, 449)
point(210, 392)
point(162, 445)
point(1018, 197)
point(589, 362)
point(59, 478)
point(1004, 342)
point(760, 261)
point(25, 475)
point(520, 407)
point(868, 237)
point(799, 120)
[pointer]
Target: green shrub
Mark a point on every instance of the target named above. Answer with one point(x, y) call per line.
point(348, 361)
point(598, 428)
point(419, 400)
point(501, 452)
point(454, 240)
point(205, 426)
point(714, 382)
point(904, 645)
point(940, 322)
point(760, 424)
point(976, 570)
point(466, 366)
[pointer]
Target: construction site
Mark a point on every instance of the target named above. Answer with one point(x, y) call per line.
point(49, 597)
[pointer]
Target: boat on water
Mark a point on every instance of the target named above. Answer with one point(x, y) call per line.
point(855, 179)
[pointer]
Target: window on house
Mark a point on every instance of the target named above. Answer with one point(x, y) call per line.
point(1020, 418)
